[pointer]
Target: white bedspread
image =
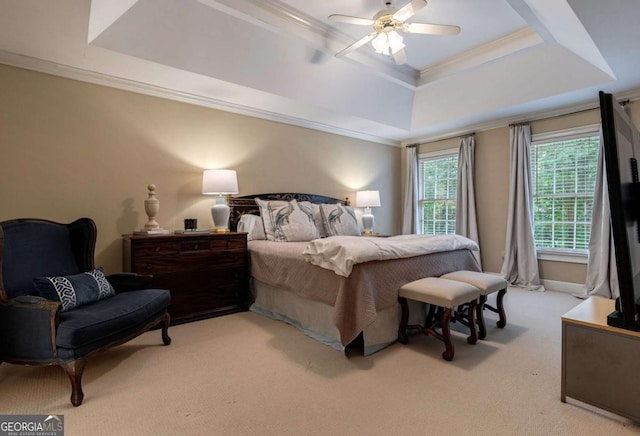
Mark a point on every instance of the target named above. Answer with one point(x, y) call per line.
point(340, 253)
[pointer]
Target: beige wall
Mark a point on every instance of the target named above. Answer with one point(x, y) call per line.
point(492, 189)
point(70, 149)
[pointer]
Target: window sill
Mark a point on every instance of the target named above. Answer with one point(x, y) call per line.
point(563, 256)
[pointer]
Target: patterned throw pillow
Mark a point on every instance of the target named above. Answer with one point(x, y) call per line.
point(317, 216)
point(287, 221)
point(339, 220)
point(75, 290)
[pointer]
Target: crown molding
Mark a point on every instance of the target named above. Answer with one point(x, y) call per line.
point(70, 72)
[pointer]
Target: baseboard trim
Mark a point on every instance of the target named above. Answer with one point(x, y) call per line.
point(568, 287)
point(558, 286)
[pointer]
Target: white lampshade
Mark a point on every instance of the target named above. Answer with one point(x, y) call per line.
point(220, 182)
point(367, 199)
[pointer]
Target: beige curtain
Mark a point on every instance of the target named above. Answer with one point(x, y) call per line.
point(410, 209)
point(602, 275)
point(520, 266)
point(466, 222)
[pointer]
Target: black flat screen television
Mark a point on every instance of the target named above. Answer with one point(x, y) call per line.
point(621, 142)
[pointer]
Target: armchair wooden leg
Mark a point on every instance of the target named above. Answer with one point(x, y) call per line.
point(74, 370)
point(165, 329)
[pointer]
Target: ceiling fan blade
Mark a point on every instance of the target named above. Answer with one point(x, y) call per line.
point(409, 10)
point(431, 29)
point(351, 20)
point(359, 43)
point(400, 57)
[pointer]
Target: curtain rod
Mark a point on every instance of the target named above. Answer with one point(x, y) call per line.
point(622, 103)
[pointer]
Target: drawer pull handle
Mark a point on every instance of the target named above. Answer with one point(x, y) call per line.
point(195, 247)
point(157, 249)
point(149, 266)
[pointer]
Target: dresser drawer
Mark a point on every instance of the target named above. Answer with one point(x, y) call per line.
point(173, 247)
point(189, 261)
point(198, 292)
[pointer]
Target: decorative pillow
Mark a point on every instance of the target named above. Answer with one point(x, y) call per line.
point(75, 290)
point(317, 216)
point(265, 215)
point(339, 220)
point(252, 224)
point(286, 221)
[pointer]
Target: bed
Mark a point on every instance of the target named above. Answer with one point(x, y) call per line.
point(337, 309)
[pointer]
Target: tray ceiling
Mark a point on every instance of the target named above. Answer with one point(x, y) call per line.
point(273, 59)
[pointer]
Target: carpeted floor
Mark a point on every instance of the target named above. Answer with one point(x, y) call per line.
point(244, 374)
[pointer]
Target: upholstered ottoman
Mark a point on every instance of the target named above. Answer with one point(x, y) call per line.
point(488, 284)
point(445, 295)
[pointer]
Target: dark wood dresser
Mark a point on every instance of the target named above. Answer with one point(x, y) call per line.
point(207, 274)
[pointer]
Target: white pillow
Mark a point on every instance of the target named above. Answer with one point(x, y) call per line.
point(252, 224)
point(285, 221)
point(339, 220)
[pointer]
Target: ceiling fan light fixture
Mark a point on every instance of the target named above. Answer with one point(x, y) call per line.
point(387, 43)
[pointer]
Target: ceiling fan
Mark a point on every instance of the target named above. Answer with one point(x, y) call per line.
point(386, 24)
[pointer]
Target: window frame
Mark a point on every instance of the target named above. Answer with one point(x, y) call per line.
point(556, 254)
point(431, 155)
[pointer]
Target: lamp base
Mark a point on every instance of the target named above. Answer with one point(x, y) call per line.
point(367, 224)
point(220, 214)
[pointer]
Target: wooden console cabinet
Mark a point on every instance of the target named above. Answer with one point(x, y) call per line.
point(600, 363)
point(207, 274)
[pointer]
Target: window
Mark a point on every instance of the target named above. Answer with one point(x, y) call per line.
point(438, 174)
point(563, 170)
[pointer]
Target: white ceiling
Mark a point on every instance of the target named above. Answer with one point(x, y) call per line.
point(513, 59)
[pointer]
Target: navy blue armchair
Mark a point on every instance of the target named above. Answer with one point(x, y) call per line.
point(56, 308)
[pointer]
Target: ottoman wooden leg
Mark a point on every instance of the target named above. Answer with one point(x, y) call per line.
point(503, 316)
point(446, 335)
point(404, 320)
point(482, 329)
point(473, 336)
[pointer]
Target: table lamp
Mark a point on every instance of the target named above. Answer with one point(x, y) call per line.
point(367, 199)
point(220, 183)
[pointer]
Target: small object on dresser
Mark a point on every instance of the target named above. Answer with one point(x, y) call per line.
point(190, 224)
point(152, 232)
point(151, 208)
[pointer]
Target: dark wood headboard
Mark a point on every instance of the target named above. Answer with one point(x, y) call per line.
point(247, 203)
